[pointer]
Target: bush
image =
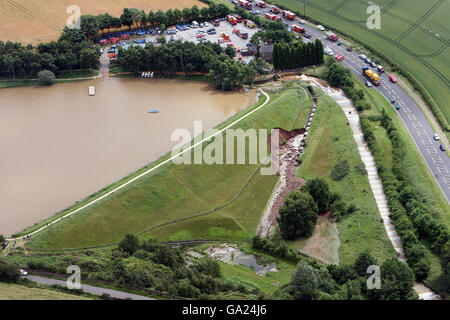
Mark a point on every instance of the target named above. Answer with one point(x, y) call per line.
point(130, 244)
point(340, 170)
point(9, 273)
point(46, 77)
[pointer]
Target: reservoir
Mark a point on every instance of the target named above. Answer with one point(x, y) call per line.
point(58, 145)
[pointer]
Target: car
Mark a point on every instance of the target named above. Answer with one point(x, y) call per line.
point(393, 101)
point(368, 84)
point(436, 137)
point(328, 51)
point(307, 35)
point(202, 25)
point(206, 24)
point(392, 79)
point(235, 1)
point(101, 51)
point(397, 107)
point(200, 36)
point(362, 56)
point(320, 27)
point(442, 147)
point(302, 21)
point(368, 61)
point(253, 12)
point(373, 64)
point(23, 272)
point(380, 69)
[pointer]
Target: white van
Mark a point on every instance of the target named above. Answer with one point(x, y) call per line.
point(194, 24)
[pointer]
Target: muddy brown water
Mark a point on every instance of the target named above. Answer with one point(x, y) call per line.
point(58, 145)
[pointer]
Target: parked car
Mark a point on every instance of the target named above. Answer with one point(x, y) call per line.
point(442, 147)
point(302, 21)
point(368, 61)
point(206, 24)
point(23, 272)
point(362, 56)
point(307, 35)
point(436, 137)
point(392, 79)
point(397, 107)
point(253, 12)
point(373, 64)
point(320, 27)
point(368, 84)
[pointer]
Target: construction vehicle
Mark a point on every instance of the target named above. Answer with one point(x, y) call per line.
point(371, 76)
point(298, 29)
point(231, 19)
point(260, 4)
point(270, 16)
point(249, 24)
point(275, 9)
point(288, 14)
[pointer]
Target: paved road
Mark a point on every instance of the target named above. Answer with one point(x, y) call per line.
point(90, 289)
point(412, 116)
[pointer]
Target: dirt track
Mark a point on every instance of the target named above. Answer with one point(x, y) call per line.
point(33, 21)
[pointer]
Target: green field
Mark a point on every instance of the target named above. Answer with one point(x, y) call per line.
point(414, 34)
point(18, 292)
point(330, 142)
point(214, 201)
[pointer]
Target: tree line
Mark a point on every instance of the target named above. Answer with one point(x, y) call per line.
point(297, 55)
point(72, 51)
point(136, 18)
point(188, 57)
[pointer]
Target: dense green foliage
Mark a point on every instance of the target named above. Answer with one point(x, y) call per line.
point(320, 191)
point(297, 55)
point(45, 77)
point(9, 273)
point(187, 57)
point(298, 216)
point(72, 51)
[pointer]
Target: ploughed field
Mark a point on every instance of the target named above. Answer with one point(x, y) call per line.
point(414, 34)
point(32, 21)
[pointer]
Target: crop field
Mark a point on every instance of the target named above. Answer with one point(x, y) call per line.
point(33, 21)
point(214, 201)
point(415, 34)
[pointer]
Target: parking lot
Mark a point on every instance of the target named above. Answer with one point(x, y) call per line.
point(225, 27)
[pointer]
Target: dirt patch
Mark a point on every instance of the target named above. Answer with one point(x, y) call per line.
point(33, 21)
point(324, 243)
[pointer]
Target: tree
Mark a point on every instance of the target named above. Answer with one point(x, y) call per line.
point(195, 13)
point(304, 283)
point(186, 14)
point(319, 51)
point(127, 18)
point(298, 215)
point(46, 77)
point(320, 192)
point(364, 260)
point(9, 273)
point(2, 239)
point(397, 280)
point(130, 244)
point(90, 26)
point(89, 58)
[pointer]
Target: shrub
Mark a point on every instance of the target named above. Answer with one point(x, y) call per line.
point(9, 273)
point(46, 77)
point(340, 170)
point(130, 244)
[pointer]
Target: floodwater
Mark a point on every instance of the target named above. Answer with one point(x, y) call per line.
point(58, 145)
